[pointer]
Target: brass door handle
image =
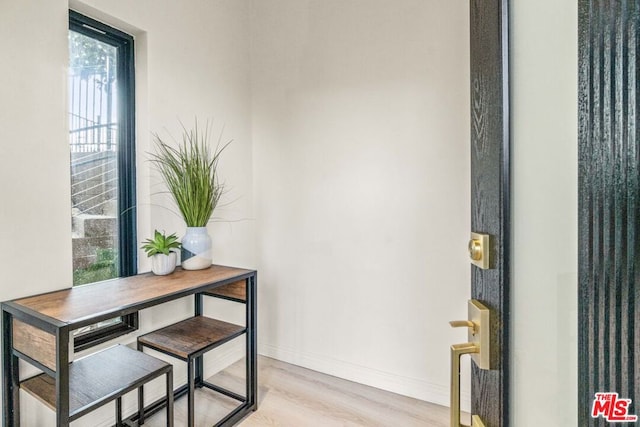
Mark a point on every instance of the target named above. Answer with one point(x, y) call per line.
point(478, 347)
point(457, 350)
point(464, 324)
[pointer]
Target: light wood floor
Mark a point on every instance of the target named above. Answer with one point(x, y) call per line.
point(290, 396)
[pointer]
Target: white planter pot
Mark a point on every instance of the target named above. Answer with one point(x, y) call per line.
point(196, 249)
point(162, 264)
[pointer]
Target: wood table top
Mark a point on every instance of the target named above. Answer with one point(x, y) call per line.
point(80, 303)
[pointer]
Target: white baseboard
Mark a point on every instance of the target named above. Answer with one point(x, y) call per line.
point(406, 386)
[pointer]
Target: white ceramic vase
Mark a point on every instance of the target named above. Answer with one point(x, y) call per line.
point(196, 249)
point(162, 264)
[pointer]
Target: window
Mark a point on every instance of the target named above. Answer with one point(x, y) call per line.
point(102, 153)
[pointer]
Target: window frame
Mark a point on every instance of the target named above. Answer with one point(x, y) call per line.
point(126, 160)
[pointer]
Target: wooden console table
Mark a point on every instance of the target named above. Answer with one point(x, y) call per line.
point(37, 329)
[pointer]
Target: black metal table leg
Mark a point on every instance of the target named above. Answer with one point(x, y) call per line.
point(119, 412)
point(62, 377)
point(190, 394)
point(10, 375)
point(169, 399)
point(198, 311)
point(141, 397)
point(252, 365)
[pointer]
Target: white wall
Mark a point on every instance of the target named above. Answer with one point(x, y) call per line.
point(35, 212)
point(361, 154)
point(544, 288)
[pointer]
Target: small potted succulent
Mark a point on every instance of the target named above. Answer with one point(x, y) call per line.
point(161, 251)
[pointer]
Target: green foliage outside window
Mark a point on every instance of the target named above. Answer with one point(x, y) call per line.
point(104, 268)
point(90, 55)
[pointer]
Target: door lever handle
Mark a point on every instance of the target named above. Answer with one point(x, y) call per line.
point(457, 350)
point(464, 323)
point(478, 348)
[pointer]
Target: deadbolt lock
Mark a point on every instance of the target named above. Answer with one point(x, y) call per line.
point(475, 250)
point(479, 250)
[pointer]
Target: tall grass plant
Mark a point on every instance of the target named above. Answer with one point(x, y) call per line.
point(190, 172)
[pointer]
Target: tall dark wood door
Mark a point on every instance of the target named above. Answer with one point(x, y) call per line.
point(490, 201)
point(609, 208)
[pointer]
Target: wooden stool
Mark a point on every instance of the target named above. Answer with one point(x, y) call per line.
point(188, 340)
point(102, 377)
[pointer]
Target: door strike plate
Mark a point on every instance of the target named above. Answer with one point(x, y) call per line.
point(479, 250)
